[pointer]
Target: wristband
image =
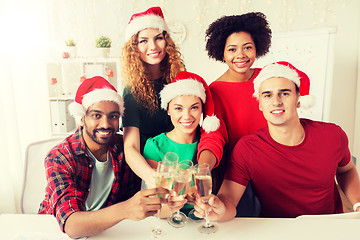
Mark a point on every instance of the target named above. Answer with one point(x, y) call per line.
point(356, 205)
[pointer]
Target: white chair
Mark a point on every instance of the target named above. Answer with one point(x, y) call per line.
point(34, 175)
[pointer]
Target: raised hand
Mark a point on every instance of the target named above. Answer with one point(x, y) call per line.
point(175, 202)
point(145, 203)
point(215, 208)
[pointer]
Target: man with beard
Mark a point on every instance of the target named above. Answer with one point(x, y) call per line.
point(90, 187)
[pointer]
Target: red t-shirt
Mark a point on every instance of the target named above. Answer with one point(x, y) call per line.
point(292, 180)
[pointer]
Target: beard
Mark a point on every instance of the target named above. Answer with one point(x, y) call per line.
point(100, 140)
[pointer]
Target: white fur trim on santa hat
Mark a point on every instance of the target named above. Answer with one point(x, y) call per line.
point(210, 123)
point(77, 111)
point(180, 88)
point(275, 70)
point(105, 94)
point(143, 22)
point(307, 101)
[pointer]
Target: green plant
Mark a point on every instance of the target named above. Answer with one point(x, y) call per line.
point(103, 42)
point(70, 42)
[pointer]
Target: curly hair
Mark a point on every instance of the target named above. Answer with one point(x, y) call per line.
point(135, 73)
point(254, 23)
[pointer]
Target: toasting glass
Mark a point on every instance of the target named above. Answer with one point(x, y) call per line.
point(164, 178)
point(182, 181)
point(204, 187)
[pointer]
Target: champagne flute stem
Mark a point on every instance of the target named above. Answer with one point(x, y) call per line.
point(157, 230)
point(158, 220)
point(207, 222)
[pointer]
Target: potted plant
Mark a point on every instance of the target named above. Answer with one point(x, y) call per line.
point(103, 44)
point(71, 48)
point(70, 43)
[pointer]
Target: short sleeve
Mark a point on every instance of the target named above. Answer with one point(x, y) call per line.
point(345, 156)
point(238, 167)
point(152, 151)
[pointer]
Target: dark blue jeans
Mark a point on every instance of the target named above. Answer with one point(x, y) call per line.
point(249, 205)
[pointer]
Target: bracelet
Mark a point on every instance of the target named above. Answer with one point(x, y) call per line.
point(356, 205)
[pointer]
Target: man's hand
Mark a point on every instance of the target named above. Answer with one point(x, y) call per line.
point(215, 208)
point(145, 203)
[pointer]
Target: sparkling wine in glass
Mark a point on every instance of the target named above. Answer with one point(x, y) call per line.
point(204, 187)
point(182, 182)
point(164, 179)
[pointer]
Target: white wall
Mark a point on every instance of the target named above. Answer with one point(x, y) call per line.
point(356, 150)
point(23, 92)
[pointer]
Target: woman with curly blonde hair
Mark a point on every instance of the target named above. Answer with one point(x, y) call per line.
point(150, 59)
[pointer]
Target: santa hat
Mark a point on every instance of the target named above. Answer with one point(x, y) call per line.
point(91, 91)
point(187, 83)
point(151, 18)
point(286, 70)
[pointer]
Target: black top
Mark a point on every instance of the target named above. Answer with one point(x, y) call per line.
point(136, 115)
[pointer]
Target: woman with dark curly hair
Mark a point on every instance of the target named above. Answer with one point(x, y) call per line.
point(149, 60)
point(237, 41)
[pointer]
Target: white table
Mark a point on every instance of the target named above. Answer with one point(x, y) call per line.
point(45, 227)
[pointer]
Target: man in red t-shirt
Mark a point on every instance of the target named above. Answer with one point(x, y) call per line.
point(292, 163)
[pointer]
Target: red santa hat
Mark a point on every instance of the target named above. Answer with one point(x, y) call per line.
point(151, 18)
point(91, 91)
point(187, 83)
point(286, 70)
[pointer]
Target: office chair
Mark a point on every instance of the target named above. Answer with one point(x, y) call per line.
point(34, 174)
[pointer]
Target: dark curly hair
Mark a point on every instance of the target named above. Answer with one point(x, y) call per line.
point(254, 23)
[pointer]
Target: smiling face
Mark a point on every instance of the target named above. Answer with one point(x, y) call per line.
point(100, 123)
point(240, 52)
point(151, 45)
point(185, 113)
point(279, 101)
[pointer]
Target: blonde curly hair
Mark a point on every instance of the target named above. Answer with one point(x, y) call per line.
point(135, 73)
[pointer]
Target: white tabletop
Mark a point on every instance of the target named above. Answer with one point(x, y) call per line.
point(45, 227)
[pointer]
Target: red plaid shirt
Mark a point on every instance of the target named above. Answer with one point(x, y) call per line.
point(68, 171)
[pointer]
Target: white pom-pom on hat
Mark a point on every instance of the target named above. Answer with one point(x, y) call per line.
point(187, 83)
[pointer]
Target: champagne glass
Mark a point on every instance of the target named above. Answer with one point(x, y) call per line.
point(164, 178)
point(204, 187)
point(170, 159)
point(182, 181)
point(192, 192)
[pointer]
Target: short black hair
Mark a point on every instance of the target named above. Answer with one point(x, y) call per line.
point(297, 89)
point(254, 23)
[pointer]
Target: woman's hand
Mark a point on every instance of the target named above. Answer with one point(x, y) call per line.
point(191, 196)
point(175, 202)
point(150, 179)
